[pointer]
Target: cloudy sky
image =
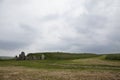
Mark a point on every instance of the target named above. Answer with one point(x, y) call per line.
point(59, 25)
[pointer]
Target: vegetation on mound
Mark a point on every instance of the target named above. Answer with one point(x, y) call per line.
point(112, 57)
point(63, 56)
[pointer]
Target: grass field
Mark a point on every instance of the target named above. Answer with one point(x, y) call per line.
point(93, 68)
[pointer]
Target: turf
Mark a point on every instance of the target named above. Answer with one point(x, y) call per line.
point(94, 63)
point(91, 68)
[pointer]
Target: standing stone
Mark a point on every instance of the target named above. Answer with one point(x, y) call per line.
point(16, 57)
point(42, 57)
point(22, 56)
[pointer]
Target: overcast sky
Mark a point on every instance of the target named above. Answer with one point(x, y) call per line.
point(59, 25)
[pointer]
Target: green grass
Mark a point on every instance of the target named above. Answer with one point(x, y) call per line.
point(63, 56)
point(94, 63)
point(112, 57)
point(65, 67)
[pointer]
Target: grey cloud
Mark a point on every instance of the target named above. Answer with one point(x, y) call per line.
point(1, 0)
point(103, 7)
point(27, 28)
point(27, 25)
point(97, 28)
point(51, 17)
point(88, 23)
point(109, 48)
point(9, 45)
point(12, 40)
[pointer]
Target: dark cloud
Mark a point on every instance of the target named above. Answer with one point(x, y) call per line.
point(9, 45)
point(18, 38)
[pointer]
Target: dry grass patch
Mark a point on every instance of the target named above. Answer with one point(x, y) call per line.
point(21, 73)
point(96, 61)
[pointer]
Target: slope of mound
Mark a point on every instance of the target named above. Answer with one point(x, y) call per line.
point(63, 56)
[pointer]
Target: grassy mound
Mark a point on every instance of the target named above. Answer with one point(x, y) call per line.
point(63, 56)
point(112, 57)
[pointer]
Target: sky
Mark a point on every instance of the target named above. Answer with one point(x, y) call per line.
point(59, 25)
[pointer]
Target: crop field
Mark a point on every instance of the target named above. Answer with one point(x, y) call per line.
point(92, 68)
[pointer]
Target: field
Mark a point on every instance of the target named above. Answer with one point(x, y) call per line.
point(89, 68)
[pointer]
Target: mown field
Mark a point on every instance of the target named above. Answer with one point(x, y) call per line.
point(90, 68)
